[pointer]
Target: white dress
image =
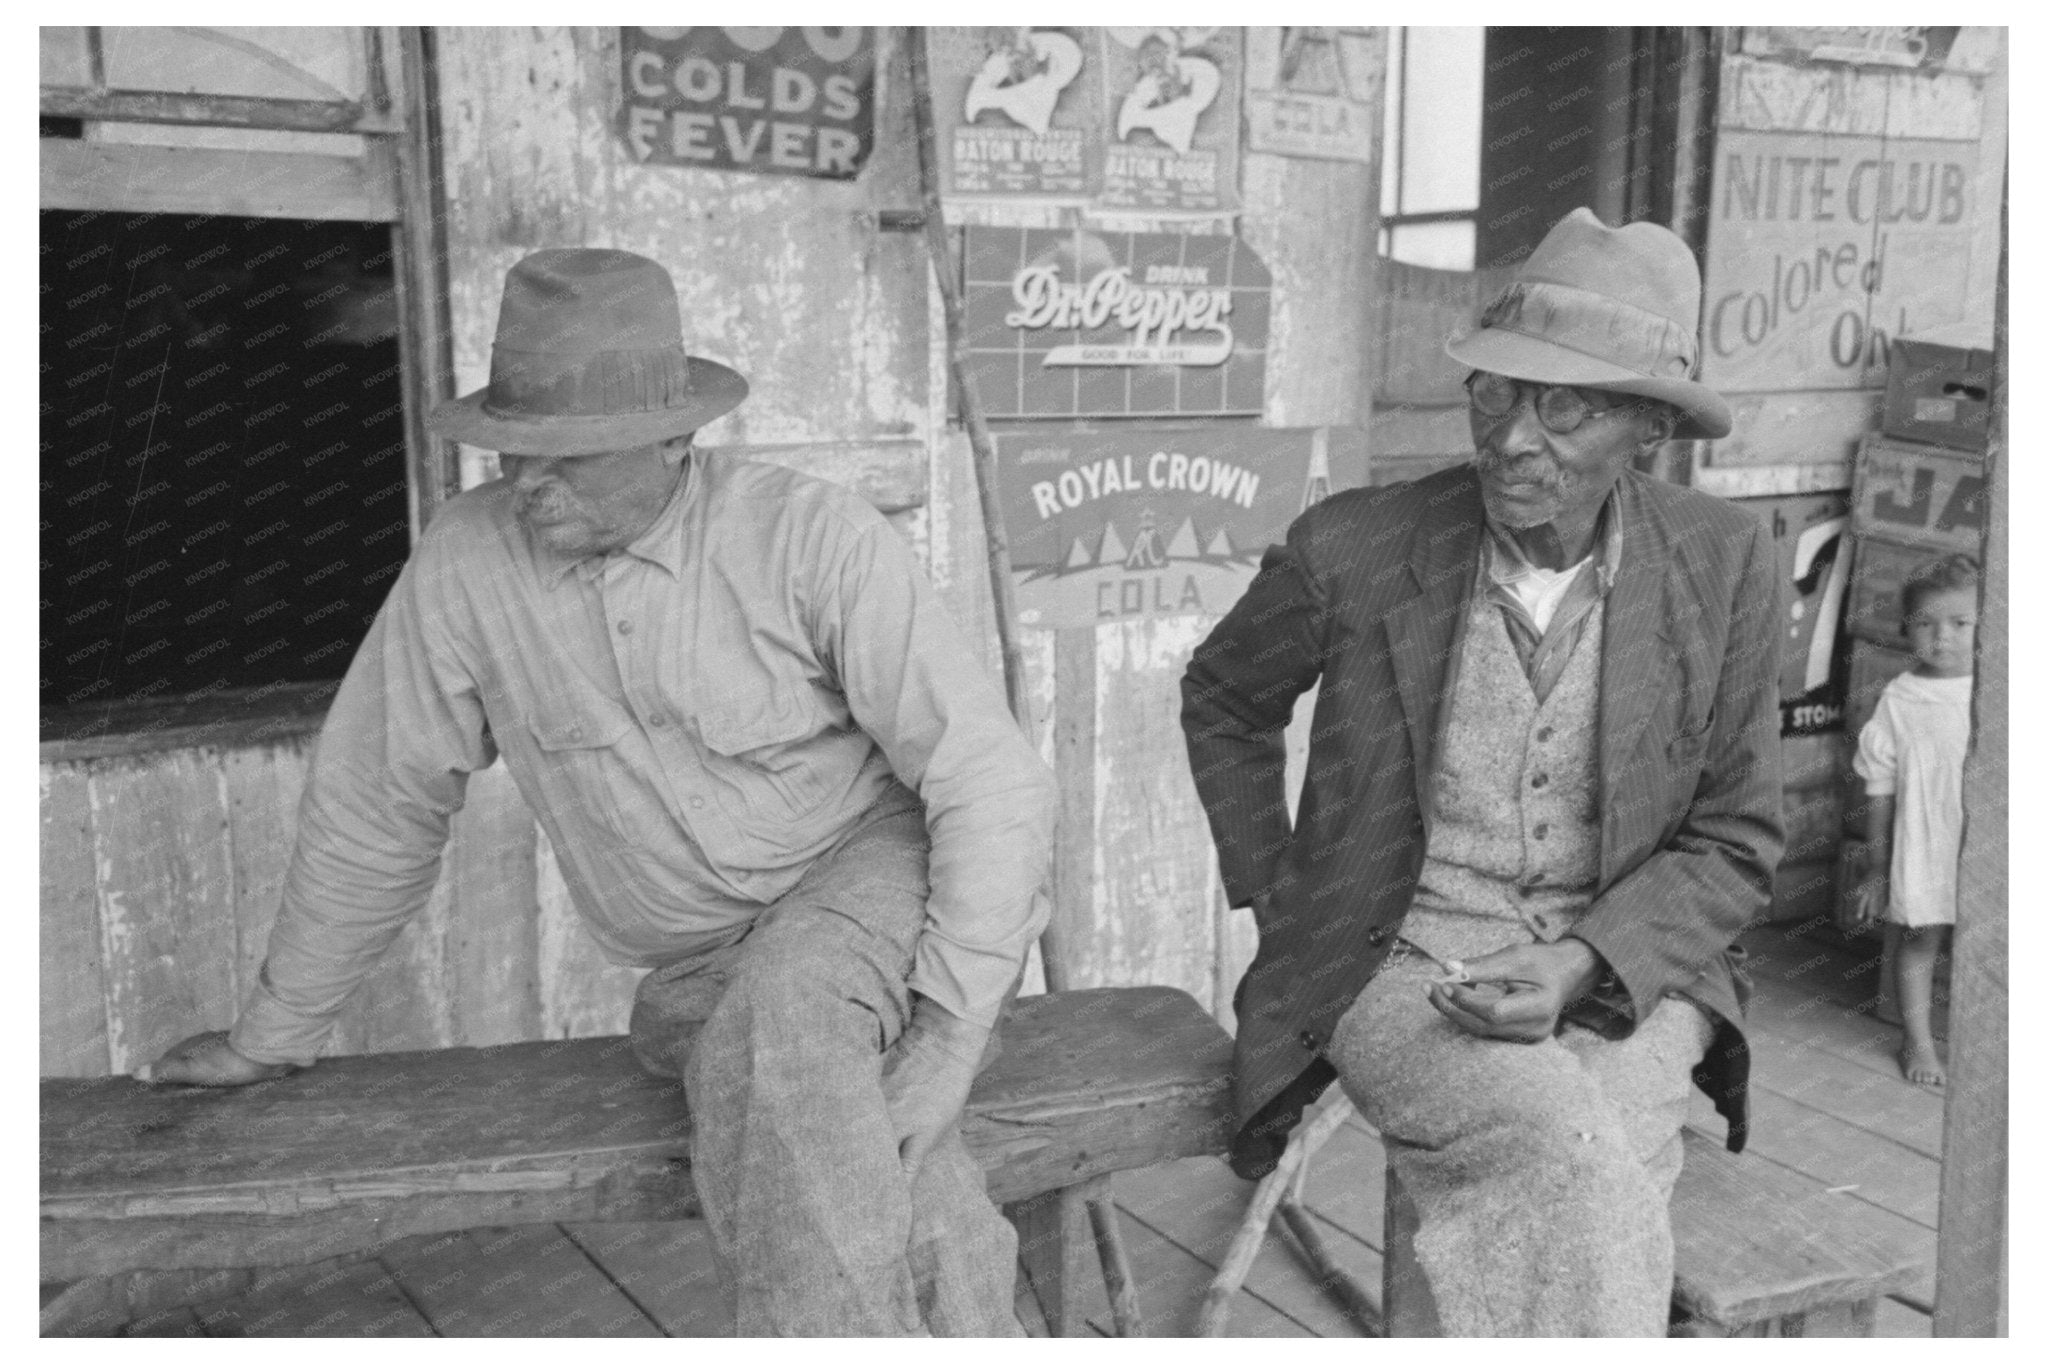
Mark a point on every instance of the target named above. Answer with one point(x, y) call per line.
point(1913, 749)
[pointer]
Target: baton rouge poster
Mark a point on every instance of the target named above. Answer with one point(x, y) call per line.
point(773, 101)
point(1153, 521)
point(1130, 121)
point(1074, 323)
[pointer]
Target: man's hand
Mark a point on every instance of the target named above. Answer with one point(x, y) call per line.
point(1871, 898)
point(926, 1076)
point(1517, 993)
point(208, 1060)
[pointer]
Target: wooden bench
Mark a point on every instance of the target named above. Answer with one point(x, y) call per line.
point(362, 1150)
point(1760, 1251)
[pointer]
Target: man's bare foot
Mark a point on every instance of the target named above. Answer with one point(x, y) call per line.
point(1922, 1066)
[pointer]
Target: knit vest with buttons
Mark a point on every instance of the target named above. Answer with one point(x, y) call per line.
point(1514, 839)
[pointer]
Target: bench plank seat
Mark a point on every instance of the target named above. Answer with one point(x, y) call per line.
point(1757, 1250)
point(1758, 1246)
point(361, 1150)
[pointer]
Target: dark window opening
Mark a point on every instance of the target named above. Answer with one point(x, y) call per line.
point(60, 127)
point(1558, 131)
point(223, 495)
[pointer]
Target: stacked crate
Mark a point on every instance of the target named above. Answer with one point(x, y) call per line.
point(1919, 493)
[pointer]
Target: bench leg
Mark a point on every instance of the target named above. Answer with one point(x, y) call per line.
point(1116, 1266)
point(1405, 1299)
point(1064, 1239)
point(1054, 1242)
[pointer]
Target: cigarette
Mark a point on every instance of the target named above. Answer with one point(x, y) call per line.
point(1454, 974)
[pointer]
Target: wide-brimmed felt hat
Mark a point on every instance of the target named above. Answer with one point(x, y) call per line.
point(588, 358)
point(1603, 307)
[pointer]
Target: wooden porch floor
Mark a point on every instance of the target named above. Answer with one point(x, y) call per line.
point(1828, 1103)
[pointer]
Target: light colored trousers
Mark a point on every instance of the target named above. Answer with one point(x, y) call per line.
point(779, 1038)
point(1542, 1173)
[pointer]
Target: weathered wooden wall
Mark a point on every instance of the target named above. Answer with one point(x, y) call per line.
point(160, 879)
point(160, 873)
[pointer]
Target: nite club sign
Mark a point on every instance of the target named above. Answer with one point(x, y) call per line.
point(1074, 323)
point(1823, 249)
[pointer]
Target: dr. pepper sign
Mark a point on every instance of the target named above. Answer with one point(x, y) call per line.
point(775, 101)
point(1073, 323)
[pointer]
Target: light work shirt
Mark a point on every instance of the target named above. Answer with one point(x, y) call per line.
point(694, 720)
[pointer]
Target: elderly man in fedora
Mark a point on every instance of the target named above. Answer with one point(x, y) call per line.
point(1541, 800)
point(773, 772)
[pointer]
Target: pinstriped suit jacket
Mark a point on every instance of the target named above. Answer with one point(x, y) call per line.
point(1365, 596)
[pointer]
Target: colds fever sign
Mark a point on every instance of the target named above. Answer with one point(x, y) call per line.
point(775, 101)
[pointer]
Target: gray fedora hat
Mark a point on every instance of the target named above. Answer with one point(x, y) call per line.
point(588, 358)
point(1603, 307)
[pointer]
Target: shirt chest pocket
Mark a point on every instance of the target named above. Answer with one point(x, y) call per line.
point(761, 753)
point(579, 752)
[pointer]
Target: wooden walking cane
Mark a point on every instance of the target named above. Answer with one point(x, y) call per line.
point(1281, 1192)
point(1116, 1267)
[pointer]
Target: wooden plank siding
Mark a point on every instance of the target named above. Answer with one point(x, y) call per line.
point(164, 892)
point(160, 880)
point(71, 981)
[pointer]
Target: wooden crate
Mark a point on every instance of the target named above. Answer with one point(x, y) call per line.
point(1919, 495)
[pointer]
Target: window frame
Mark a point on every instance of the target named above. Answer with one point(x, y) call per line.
point(398, 180)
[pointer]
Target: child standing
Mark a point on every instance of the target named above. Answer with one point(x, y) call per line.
point(1910, 757)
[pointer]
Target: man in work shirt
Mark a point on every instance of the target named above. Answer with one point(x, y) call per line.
point(1542, 799)
point(771, 769)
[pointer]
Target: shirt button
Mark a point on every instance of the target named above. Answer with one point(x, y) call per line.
point(1543, 735)
point(575, 731)
point(1540, 831)
point(1310, 1040)
point(696, 802)
point(1539, 781)
point(657, 719)
point(625, 627)
point(1539, 921)
point(1375, 936)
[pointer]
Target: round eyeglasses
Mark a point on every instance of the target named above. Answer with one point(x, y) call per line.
point(1561, 408)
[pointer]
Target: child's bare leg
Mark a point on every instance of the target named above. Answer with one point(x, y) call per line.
point(1918, 949)
point(1887, 1009)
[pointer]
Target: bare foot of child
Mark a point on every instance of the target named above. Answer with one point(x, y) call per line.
point(1922, 1066)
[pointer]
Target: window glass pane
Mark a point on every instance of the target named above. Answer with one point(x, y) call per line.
point(277, 63)
point(1440, 127)
point(1441, 246)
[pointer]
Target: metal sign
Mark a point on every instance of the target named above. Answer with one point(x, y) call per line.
point(1149, 521)
point(1115, 324)
point(772, 101)
point(1811, 531)
point(1916, 495)
point(1314, 92)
